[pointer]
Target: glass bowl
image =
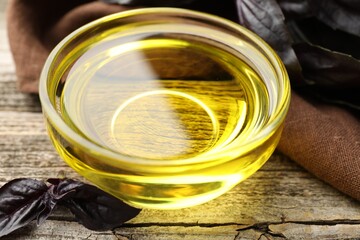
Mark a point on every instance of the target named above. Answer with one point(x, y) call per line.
point(164, 107)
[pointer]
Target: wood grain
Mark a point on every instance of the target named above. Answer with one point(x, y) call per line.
point(281, 201)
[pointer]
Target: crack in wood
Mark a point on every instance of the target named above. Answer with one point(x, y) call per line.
point(323, 222)
point(257, 226)
point(120, 236)
point(263, 228)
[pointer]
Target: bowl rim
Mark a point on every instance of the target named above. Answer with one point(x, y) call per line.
point(107, 154)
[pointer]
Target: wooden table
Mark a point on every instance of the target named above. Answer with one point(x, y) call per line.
point(281, 201)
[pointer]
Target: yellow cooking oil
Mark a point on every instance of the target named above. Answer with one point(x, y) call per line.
point(172, 108)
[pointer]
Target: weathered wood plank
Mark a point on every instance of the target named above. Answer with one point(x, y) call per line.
point(60, 230)
point(12, 100)
point(6, 61)
point(5, 76)
point(10, 97)
point(178, 233)
point(317, 230)
point(53, 229)
point(21, 123)
point(57, 230)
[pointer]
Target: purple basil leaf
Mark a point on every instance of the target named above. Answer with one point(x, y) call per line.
point(64, 188)
point(338, 14)
point(314, 31)
point(20, 203)
point(49, 204)
point(297, 9)
point(267, 20)
point(97, 210)
point(60, 189)
point(354, 4)
point(23, 200)
point(327, 68)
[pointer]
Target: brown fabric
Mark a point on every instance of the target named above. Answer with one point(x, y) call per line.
point(323, 139)
point(326, 141)
point(36, 26)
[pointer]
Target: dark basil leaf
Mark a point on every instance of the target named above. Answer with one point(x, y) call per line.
point(327, 68)
point(313, 31)
point(64, 188)
point(267, 20)
point(59, 189)
point(340, 16)
point(20, 203)
point(159, 3)
point(354, 4)
point(49, 204)
point(97, 210)
point(297, 9)
point(23, 200)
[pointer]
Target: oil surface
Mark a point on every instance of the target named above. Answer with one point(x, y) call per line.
point(160, 98)
point(165, 97)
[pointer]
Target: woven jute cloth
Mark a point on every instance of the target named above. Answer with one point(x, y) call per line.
point(324, 139)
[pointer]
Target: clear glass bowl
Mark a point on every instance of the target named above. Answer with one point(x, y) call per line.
point(164, 107)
